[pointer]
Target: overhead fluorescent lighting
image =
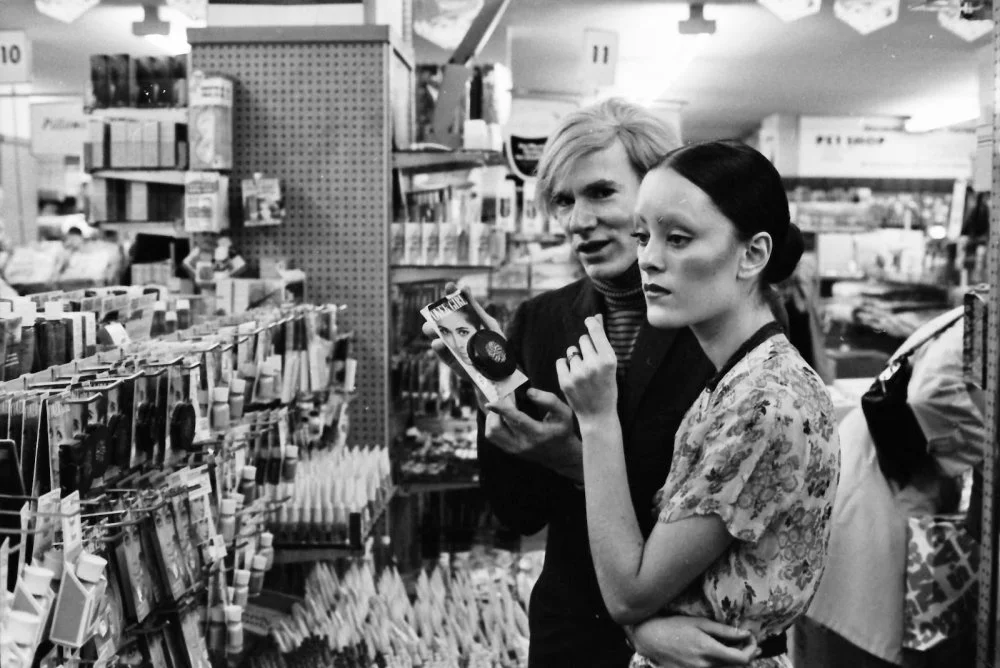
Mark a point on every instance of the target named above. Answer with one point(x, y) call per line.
point(652, 77)
point(792, 10)
point(867, 16)
point(64, 11)
point(941, 116)
point(174, 46)
point(174, 42)
point(968, 29)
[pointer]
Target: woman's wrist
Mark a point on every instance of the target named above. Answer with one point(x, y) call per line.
point(596, 424)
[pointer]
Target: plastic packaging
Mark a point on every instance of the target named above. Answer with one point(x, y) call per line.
point(237, 395)
point(257, 574)
point(170, 322)
point(23, 627)
point(220, 408)
point(37, 579)
point(228, 519)
point(183, 309)
point(291, 464)
point(217, 629)
point(241, 587)
point(90, 568)
point(159, 326)
point(266, 549)
point(234, 629)
point(248, 484)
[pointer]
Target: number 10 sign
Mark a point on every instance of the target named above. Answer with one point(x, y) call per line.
point(15, 57)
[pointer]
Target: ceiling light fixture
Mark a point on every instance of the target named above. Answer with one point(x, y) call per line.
point(792, 10)
point(653, 77)
point(939, 116)
point(66, 11)
point(151, 23)
point(970, 30)
point(696, 24)
point(867, 16)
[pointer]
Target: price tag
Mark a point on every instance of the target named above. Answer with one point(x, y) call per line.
point(15, 57)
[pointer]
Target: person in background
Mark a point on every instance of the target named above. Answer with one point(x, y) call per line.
point(72, 243)
point(531, 459)
point(799, 297)
point(859, 615)
point(743, 519)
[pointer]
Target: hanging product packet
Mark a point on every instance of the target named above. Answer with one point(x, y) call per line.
point(483, 353)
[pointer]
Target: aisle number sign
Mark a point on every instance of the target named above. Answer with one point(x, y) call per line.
point(15, 57)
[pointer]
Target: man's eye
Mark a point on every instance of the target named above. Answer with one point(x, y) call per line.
point(602, 193)
point(562, 201)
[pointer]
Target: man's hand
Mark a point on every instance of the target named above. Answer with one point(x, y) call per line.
point(445, 355)
point(692, 642)
point(550, 442)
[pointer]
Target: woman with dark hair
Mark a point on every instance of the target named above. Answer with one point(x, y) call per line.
point(743, 519)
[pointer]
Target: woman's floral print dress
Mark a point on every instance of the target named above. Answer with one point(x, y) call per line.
point(760, 450)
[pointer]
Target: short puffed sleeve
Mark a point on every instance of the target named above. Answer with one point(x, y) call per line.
point(747, 460)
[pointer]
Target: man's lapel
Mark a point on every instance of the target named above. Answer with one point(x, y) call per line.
point(588, 302)
point(651, 346)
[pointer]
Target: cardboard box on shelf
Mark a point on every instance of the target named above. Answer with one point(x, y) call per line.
point(150, 144)
point(119, 135)
point(168, 144)
point(121, 81)
point(206, 202)
point(145, 84)
point(99, 200)
point(97, 139)
point(134, 140)
point(137, 202)
point(100, 84)
point(179, 80)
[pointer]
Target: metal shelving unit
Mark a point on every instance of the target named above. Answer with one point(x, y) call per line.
point(313, 106)
point(162, 229)
point(439, 161)
point(987, 654)
point(402, 274)
point(170, 177)
point(361, 527)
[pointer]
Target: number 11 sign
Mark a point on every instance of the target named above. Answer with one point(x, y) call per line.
point(15, 57)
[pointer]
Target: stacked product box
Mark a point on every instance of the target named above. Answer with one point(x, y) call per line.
point(114, 200)
point(128, 143)
point(122, 80)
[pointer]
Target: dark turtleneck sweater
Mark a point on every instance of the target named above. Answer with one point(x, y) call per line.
point(624, 313)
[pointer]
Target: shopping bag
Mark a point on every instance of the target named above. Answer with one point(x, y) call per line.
point(941, 580)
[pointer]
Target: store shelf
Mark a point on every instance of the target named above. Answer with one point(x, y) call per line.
point(441, 161)
point(807, 228)
point(419, 274)
point(406, 489)
point(359, 529)
point(538, 238)
point(164, 229)
point(176, 114)
point(172, 177)
point(437, 424)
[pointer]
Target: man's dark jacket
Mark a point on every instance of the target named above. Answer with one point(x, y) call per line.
point(570, 625)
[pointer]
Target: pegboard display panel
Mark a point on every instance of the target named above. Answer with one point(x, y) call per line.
point(316, 115)
point(986, 650)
